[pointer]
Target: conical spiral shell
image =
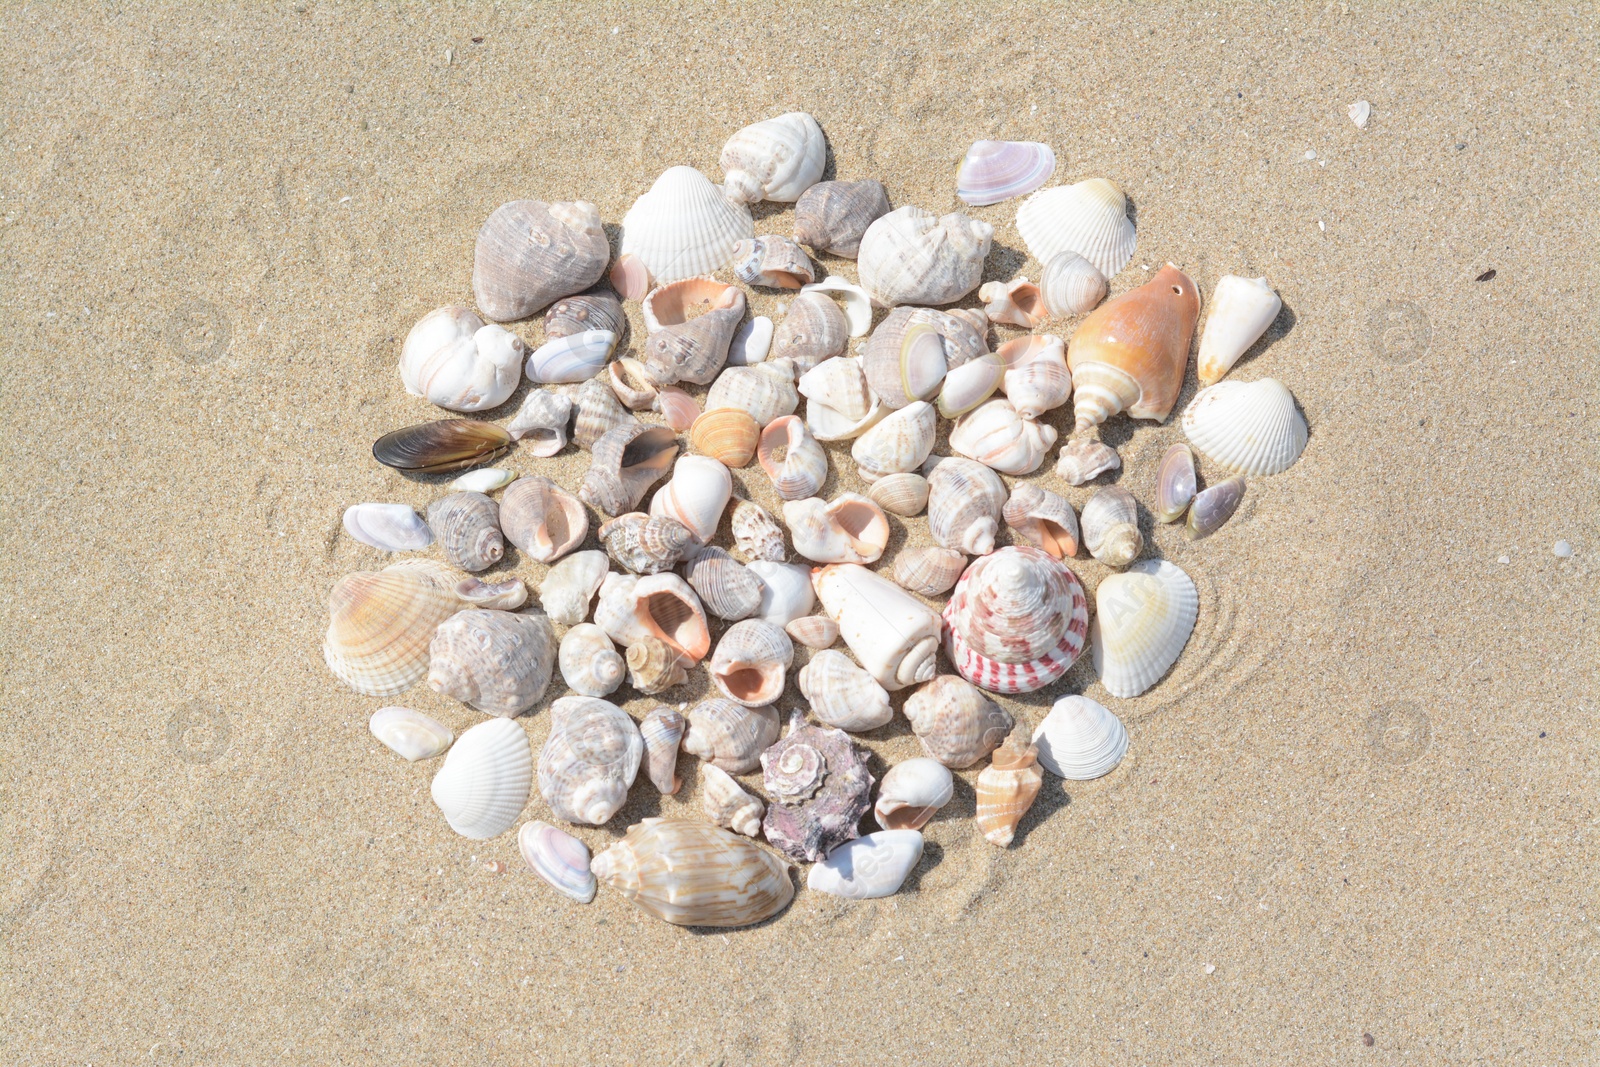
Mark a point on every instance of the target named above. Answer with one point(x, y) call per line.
point(725, 586)
point(1045, 519)
point(695, 874)
point(1071, 285)
point(590, 759)
point(570, 585)
point(647, 545)
point(813, 631)
point(589, 662)
point(627, 461)
point(750, 662)
point(683, 226)
point(1016, 621)
point(1036, 379)
point(910, 256)
point(1241, 311)
point(497, 661)
point(530, 253)
point(814, 330)
point(662, 729)
point(965, 499)
point(893, 635)
point(467, 527)
point(543, 519)
point(1249, 428)
point(774, 160)
point(597, 412)
point(1130, 353)
point(1089, 218)
point(1143, 618)
point(898, 444)
point(726, 804)
point(730, 735)
point(1006, 790)
point(956, 722)
point(995, 435)
point(654, 666)
point(1111, 527)
point(903, 494)
point(843, 695)
point(484, 782)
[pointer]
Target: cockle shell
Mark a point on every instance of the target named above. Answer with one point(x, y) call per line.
point(543, 519)
point(677, 407)
point(1143, 618)
point(728, 805)
point(589, 662)
point(484, 782)
point(1044, 519)
point(967, 386)
point(956, 722)
point(774, 160)
point(765, 392)
point(909, 256)
point(1213, 507)
point(898, 444)
point(497, 661)
point(1006, 790)
point(750, 662)
point(656, 605)
point(387, 527)
point(1080, 740)
point(751, 343)
point(855, 301)
point(654, 666)
point(683, 227)
point(792, 458)
point(409, 733)
point(1130, 353)
point(531, 253)
point(1241, 311)
point(912, 792)
point(1249, 428)
point(566, 591)
point(467, 527)
point(1175, 483)
point(820, 787)
point(885, 354)
point(1085, 459)
point(626, 461)
point(848, 528)
point(729, 735)
point(558, 858)
point(695, 874)
point(813, 330)
point(832, 216)
point(598, 309)
point(440, 447)
point(455, 361)
point(662, 729)
point(1036, 376)
point(813, 631)
point(756, 533)
point(1089, 218)
point(903, 494)
point(965, 499)
point(785, 591)
point(929, 570)
point(1111, 527)
point(1018, 302)
point(1016, 621)
point(868, 867)
point(632, 383)
point(774, 262)
point(483, 480)
point(842, 694)
point(590, 759)
point(692, 323)
point(695, 495)
point(893, 635)
point(598, 412)
point(1071, 285)
point(574, 358)
point(725, 586)
point(727, 435)
point(996, 436)
point(993, 171)
point(630, 277)
point(541, 423)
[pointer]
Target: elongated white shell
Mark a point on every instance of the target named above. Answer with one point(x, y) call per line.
point(868, 867)
point(911, 257)
point(1143, 618)
point(912, 793)
point(696, 495)
point(483, 480)
point(1241, 311)
point(1089, 218)
point(774, 160)
point(410, 733)
point(455, 361)
point(1249, 428)
point(683, 226)
point(892, 633)
point(387, 527)
point(574, 358)
point(484, 783)
point(1080, 739)
point(558, 858)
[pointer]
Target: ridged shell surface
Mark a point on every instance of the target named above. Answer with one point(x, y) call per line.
point(956, 721)
point(833, 216)
point(684, 226)
point(570, 585)
point(1143, 618)
point(1071, 285)
point(965, 500)
point(1089, 218)
point(662, 729)
point(842, 694)
point(1080, 739)
point(590, 759)
point(542, 519)
point(1249, 428)
point(497, 661)
point(467, 527)
point(531, 253)
point(909, 256)
point(996, 436)
point(543, 422)
point(729, 734)
point(655, 605)
point(485, 780)
point(695, 874)
point(727, 588)
point(1016, 621)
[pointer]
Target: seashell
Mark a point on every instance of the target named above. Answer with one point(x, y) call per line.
point(630, 277)
point(1360, 113)
point(726, 588)
point(903, 494)
point(885, 354)
point(1036, 376)
point(813, 631)
point(820, 788)
point(656, 605)
point(956, 722)
point(453, 360)
point(847, 529)
point(531, 253)
point(1213, 507)
point(695, 874)
point(727, 435)
point(574, 358)
point(1018, 302)
point(749, 663)
point(695, 495)
point(1111, 527)
point(467, 527)
point(756, 533)
point(773, 160)
point(996, 436)
point(543, 519)
point(590, 759)
point(1143, 618)
point(1071, 285)
point(728, 805)
point(998, 170)
point(626, 461)
point(965, 499)
point(977, 320)
point(440, 447)
point(1175, 483)
point(1241, 311)
point(842, 694)
point(590, 664)
point(409, 733)
point(969, 385)
point(839, 406)
point(1016, 621)
point(1044, 519)
point(912, 792)
point(785, 591)
point(662, 729)
point(497, 661)
point(1006, 790)
point(922, 362)
point(868, 867)
point(1130, 353)
point(654, 666)
point(814, 330)
point(765, 391)
point(1249, 428)
point(929, 570)
point(682, 227)
point(387, 527)
point(751, 342)
point(558, 858)
point(1080, 740)
point(832, 216)
point(1086, 459)
point(598, 414)
point(893, 635)
point(566, 591)
point(483, 480)
point(826, 424)
point(774, 262)
point(541, 423)
point(899, 444)
point(911, 257)
point(677, 407)
point(792, 458)
point(728, 735)
point(630, 380)
point(594, 310)
point(691, 323)
point(855, 301)
point(1089, 218)
point(484, 782)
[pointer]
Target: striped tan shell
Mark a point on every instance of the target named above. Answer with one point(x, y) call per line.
point(1007, 788)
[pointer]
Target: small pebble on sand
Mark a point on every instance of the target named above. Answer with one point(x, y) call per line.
point(1562, 549)
point(1505, 559)
point(1211, 968)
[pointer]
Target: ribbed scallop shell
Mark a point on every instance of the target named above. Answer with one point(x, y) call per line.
point(756, 533)
point(1111, 526)
point(1089, 218)
point(898, 444)
point(542, 423)
point(848, 528)
point(1045, 519)
point(657, 605)
point(627, 461)
point(727, 435)
point(929, 570)
point(683, 226)
point(1143, 618)
point(725, 586)
point(785, 590)
point(1006, 790)
point(484, 782)
point(792, 458)
point(695, 495)
point(765, 392)
point(813, 330)
point(662, 729)
point(996, 436)
point(868, 868)
point(909, 256)
point(1018, 302)
point(1016, 621)
point(902, 494)
point(1249, 428)
point(590, 759)
point(726, 804)
point(833, 216)
point(912, 792)
point(965, 499)
point(530, 253)
point(750, 662)
point(387, 527)
point(841, 694)
point(409, 733)
point(692, 323)
point(455, 361)
point(1241, 311)
point(497, 661)
point(813, 631)
point(570, 585)
point(956, 722)
point(467, 527)
point(774, 262)
point(590, 663)
point(893, 634)
point(1071, 285)
point(730, 735)
point(543, 519)
point(574, 358)
point(993, 171)
point(695, 874)
point(654, 666)
point(1080, 740)
point(774, 160)
point(558, 858)
point(1036, 378)
point(598, 309)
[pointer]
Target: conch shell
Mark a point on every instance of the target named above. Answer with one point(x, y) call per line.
point(1044, 519)
point(589, 661)
point(455, 361)
point(726, 804)
point(778, 159)
point(497, 661)
point(885, 356)
point(842, 694)
point(657, 605)
point(1130, 354)
point(590, 759)
point(730, 735)
point(847, 529)
point(531, 253)
point(695, 874)
point(654, 666)
point(1006, 790)
point(692, 323)
point(1016, 621)
point(965, 500)
point(893, 634)
point(749, 663)
point(1036, 376)
point(543, 519)
point(662, 729)
point(814, 330)
point(832, 217)
point(792, 458)
point(1241, 311)
point(626, 461)
point(956, 722)
point(1018, 302)
point(909, 256)
point(467, 527)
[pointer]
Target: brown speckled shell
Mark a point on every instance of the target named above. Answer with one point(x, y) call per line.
point(467, 527)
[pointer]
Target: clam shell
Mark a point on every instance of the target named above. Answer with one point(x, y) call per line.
point(656, 605)
point(756, 533)
point(1018, 303)
point(813, 330)
point(387, 527)
point(541, 423)
point(868, 867)
point(662, 729)
point(750, 662)
point(912, 792)
point(483, 784)
point(440, 447)
point(902, 494)
point(1016, 621)
point(451, 358)
point(849, 528)
point(909, 256)
point(595, 310)
point(1084, 460)
point(833, 216)
point(996, 436)
point(792, 458)
point(692, 323)
point(682, 227)
point(813, 631)
point(765, 392)
point(1249, 428)
point(893, 635)
point(1241, 311)
point(467, 527)
point(627, 460)
point(483, 480)
point(726, 587)
point(969, 385)
point(855, 301)
point(654, 666)
point(695, 495)
point(589, 761)
point(1045, 519)
point(773, 262)
point(1006, 790)
point(589, 662)
point(630, 277)
point(1036, 376)
point(531, 253)
point(842, 694)
point(1071, 285)
point(574, 358)
point(993, 171)
point(558, 858)
point(929, 570)
point(409, 733)
point(598, 413)
point(820, 787)
point(542, 519)
point(956, 722)
point(497, 661)
point(1175, 483)
point(729, 735)
point(751, 342)
point(727, 435)
point(1111, 527)
point(677, 407)
point(774, 160)
point(1213, 507)
point(1089, 218)
point(898, 444)
point(785, 591)
point(1143, 618)
point(885, 354)
point(1130, 353)
point(965, 499)
point(632, 383)
point(695, 874)
point(566, 591)
point(728, 805)
point(1080, 740)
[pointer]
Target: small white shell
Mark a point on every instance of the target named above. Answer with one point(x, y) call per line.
point(751, 342)
point(813, 631)
point(483, 480)
point(785, 590)
point(911, 257)
point(846, 529)
point(409, 733)
point(842, 694)
point(792, 458)
point(455, 361)
point(558, 858)
point(1249, 428)
point(1089, 218)
point(1079, 740)
point(996, 436)
point(1241, 310)
point(774, 160)
point(1071, 285)
point(869, 867)
point(856, 301)
point(574, 358)
point(589, 662)
point(898, 444)
point(1143, 618)
point(484, 783)
point(912, 792)
point(566, 591)
point(696, 495)
point(1018, 302)
point(726, 804)
point(683, 226)
point(1036, 378)
point(967, 386)
point(756, 533)
point(387, 527)
point(1110, 526)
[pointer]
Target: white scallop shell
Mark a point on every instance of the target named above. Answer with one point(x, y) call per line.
point(696, 495)
point(483, 480)
point(786, 592)
point(484, 783)
point(387, 527)
point(751, 342)
point(683, 226)
point(996, 436)
point(899, 443)
point(856, 301)
point(869, 867)
point(774, 160)
point(1241, 310)
point(1143, 618)
point(1080, 739)
point(574, 358)
point(558, 858)
point(909, 256)
point(1249, 428)
point(912, 792)
point(1089, 218)
point(455, 361)
point(410, 733)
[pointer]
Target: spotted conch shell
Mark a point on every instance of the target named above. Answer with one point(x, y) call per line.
point(1016, 621)
point(531, 253)
point(909, 256)
point(497, 661)
point(695, 874)
point(956, 721)
point(892, 633)
point(590, 759)
point(1130, 353)
point(774, 160)
point(692, 323)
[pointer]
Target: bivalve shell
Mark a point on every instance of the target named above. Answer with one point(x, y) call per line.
point(1143, 618)
point(1089, 218)
point(727, 435)
point(630, 277)
point(483, 480)
point(902, 494)
point(1080, 740)
point(410, 734)
point(387, 527)
point(1213, 507)
point(497, 661)
point(590, 759)
point(1016, 621)
point(929, 570)
point(956, 722)
point(682, 227)
point(1176, 481)
point(813, 631)
point(1249, 428)
point(842, 694)
point(993, 171)
point(868, 867)
point(531, 253)
point(695, 874)
point(558, 858)
point(485, 780)
point(440, 447)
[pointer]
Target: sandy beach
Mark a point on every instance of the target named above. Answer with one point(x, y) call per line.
point(1355, 823)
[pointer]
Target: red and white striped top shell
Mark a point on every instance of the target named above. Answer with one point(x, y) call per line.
point(1017, 620)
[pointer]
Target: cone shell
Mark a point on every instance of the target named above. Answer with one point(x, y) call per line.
point(757, 534)
point(1241, 311)
point(1111, 527)
point(598, 309)
point(497, 661)
point(729, 735)
point(911, 257)
point(1080, 740)
point(778, 159)
point(956, 722)
point(725, 586)
point(1089, 218)
point(1213, 507)
point(654, 666)
point(695, 495)
point(559, 858)
point(531, 253)
point(766, 391)
point(902, 494)
point(846, 529)
point(695, 874)
point(570, 585)
point(820, 787)
point(627, 460)
point(1071, 285)
point(598, 412)
point(1018, 302)
point(1175, 483)
point(453, 360)
point(1130, 354)
point(1045, 519)
point(1249, 428)
point(543, 519)
point(1016, 621)
point(657, 605)
point(589, 761)
point(1006, 790)
point(965, 499)
point(912, 793)
point(832, 216)
point(842, 694)
point(813, 631)
point(813, 330)
point(662, 729)
point(484, 782)
point(410, 734)
point(868, 868)
point(682, 227)
point(749, 664)
point(899, 444)
point(727, 435)
point(1036, 377)
point(929, 570)
point(785, 591)
point(692, 323)
point(440, 447)
point(774, 262)
point(893, 635)
point(728, 805)
point(387, 527)
point(883, 356)
point(996, 436)
point(792, 458)
point(589, 662)
point(1143, 618)
point(993, 171)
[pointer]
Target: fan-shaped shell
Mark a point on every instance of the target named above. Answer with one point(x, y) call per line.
point(1071, 285)
point(1089, 218)
point(598, 309)
point(774, 262)
point(531, 253)
point(902, 494)
point(965, 499)
point(497, 661)
point(440, 447)
point(656, 605)
point(627, 460)
point(455, 361)
point(484, 782)
point(543, 519)
point(1018, 302)
point(1241, 311)
point(898, 444)
point(832, 216)
point(1045, 519)
point(765, 392)
point(570, 585)
point(912, 792)
point(996, 436)
point(956, 722)
point(1016, 621)
point(813, 631)
point(576, 357)
point(590, 759)
point(909, 256)
point(695, 495)
point(1130, 353)
point(929, 570)
point(842, 694)
point(893, 634)
point(1036, 376)
point(558, 858)
point(409, 733)
point(750, 662)
point(1006, 790)
point(774, 160)
point(792, 458)
point(727, 435)
point(1111, 527)
point(725, 586)
point(662, 729)
point(695, 874)
point(1250, 428)
point(726, 804)
point(1080, 740)
point(813, 330)
point(467, 527)
point(848, 528)
point(589, 662)
point(541, 423)
point(692, 323)
point(729, 735)
point(683, 227)
point(881, 357)
point(387, 527)
point(1143, 618)
point(993, 171)
point(756, 533)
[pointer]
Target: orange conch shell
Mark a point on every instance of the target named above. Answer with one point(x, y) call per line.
point(1130, 354)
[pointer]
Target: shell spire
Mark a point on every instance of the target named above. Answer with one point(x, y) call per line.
point(1130, 353)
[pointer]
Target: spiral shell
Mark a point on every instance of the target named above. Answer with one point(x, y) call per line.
point(482, 480)
point(728, 805)
point(589, 662)
point(1241, 311)
point(1071, 285)
point(1086, 459)
point(541, 423)
point(833, 216)
point(656, 605)
point(729, 735)
point(911, 257)
point(598, 309)
point(1130, 353)
point(996, 436)
point(543, 519)
point(626, 461)
point(1016, 621)
point(1111, 527)
point(893, 635)
point(813, 330)
point(1018, 303)
point(885, 355)
point(695, 495)
point(662, 729)
point(820, 787)
point(483, 785)
point(725, 586)
point(654, 666)
point(839, 406)
point(854, 301)
point(598, 412)
point(1143, 618)
point(727, 435)
point(590, 759)
point(842, 694)
point(792, 458)
point(765, 391)
point(497, 661)
point(773, 262)
point(929, 570)
point(467, 527)
point(691, 323)
point(785, 591)
point(846, 529)
point(756, 533)
point(899, 444)
point(750, 661)
point(451, 358)
point(1006, 790)
point(570, 585)
point(956, 722)
point(1044, 519)
point(530, 253)
point(630, 380)
point(965, 500)
point(682, 227)
point(774, 160)
point(1036, 379)
point(912, 793)
point(695, 874)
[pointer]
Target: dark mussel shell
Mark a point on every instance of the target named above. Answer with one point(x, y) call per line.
point(1213, 507)
point(437, 447)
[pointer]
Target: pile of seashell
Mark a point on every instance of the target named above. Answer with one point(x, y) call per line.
point(637, 611)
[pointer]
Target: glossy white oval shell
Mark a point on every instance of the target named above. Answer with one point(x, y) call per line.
point(876, 865)
point(409, 733)
point(558, 858)
point(387, 527)
point(1080, 739)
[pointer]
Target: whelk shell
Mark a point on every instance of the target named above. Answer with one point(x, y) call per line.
point(1080, 740)
point(729, 735)
point(594, 310)
point(387, 527)
point(726, 587)
point(905, 493)
point(677, 407)
point(409, 733)
point(1130, 353)
point(455, 361)
point(1044, 518)
point(893, 635)
point(695, 874)
point(993, 171)
point(543, 519)
point(1143, 618)
point(956, 722)
point(467, 527)
point(1175, 483)
point(1241, 311)
point(839, 406)
point(996, 436)
point(833, 216)
point(656, 605)
point(1006, 790)
point(1071, 285)
point(751, 342)
point(654, 666)
point(756, 533)
point(727, 435)
point(929, 570)
point(531, 253)
point(598, 413)
point(792, 458)
point(589, 662)
point(497, 661)
point(662, 729)
point(774, 160)
point(842, 694)
point(855, 301)
point(813, 330)
point(626, 461)
point(558, 858)
point(898, 444)
point(774, 262)
point(846, 529)
point(691, 323)
point(1018, 302)
point(566, 591)
point(749, 663)
point(765, 392)
point(631, 381)
point(1036, 376)
point(574, 358)
point(484, 782)
point(965, 499)
point(440, 447)
point(1249, 428)
point(912, 792)
point(1084, 460)
point(483, 480)
point(541, 423)
point(590, 759)
point(1016, 621)
point(1111, 527)
point(695, 495)
point(813, 631)
point(1089, 218)
point(868, 867)
point(728, 805)
point(820, 787)
point(1213, 507)
point(909, 256)
point(785, 591)
point(682, 227)
point(885, 353)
